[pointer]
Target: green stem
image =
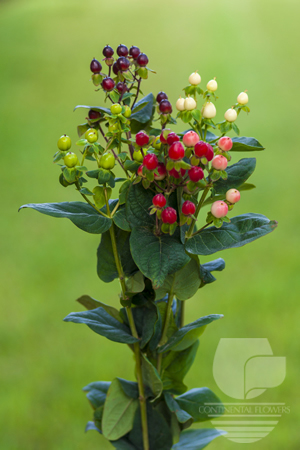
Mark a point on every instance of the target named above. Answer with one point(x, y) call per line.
point(166, 324)
point(89, 202)
point(182, 314)
point(191, 229)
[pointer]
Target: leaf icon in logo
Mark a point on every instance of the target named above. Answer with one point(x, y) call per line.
point(263, 372)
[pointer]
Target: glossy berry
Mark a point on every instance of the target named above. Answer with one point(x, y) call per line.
point(107, 161)
point(190, 139)
point(242, 98)
point(165, 107)
point(209, 153)
point(230, 115)
point(161, 96)
point(70, 160)
point(108, 84)
point(162, 172)
point(159, 201)
point(141, 139)
point(219, 162)
point(209, 111)
point(108, 51)
point(180, 104)
point(94, 114)
point(121, 87)
point(64, 143)
point(122, 50)
point(138, 156)
point(116, 108)
point(233, 196)
point(115, 68)
point(142, 60)
point(172, 137)
point(177, 175)
point(91, 135)
point(127, 112)
point(196, 174)
point(123, 63)
point(188, 208)
point(169, 215)
point(219, 209)
point(140, 171)
point(201, 149)
point(190, 103)
point(163, 135)
point(95, 66)
point(150, 161)
point(225, 143)
point(212, 85)
point(176, 151)
point(194, 78)
point(134, 51)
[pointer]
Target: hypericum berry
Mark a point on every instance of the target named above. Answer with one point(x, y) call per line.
point(209, 110)
point(190, 139)
point(70, 160)
point(156, 143)
point(210, 153)
point(164, 134)
point(123, 63)
point(115, 68)
point(219, 162)
point(190, 103)
point(161, 96)
point(225, 143)
point(180, 104)
point(134, 51)
point(127, 112)
point(172, 137)
point(162, 172)
point(121, 87)
point(177, 175)
point(242, 98)
point(219, 209)
point(233, 196)
point(108, 51)
point(165, 107)
point(107, 161)
point(212, 85)
point(138, 156)
point(94, 114)
point(113, 127)
point(150, 161)
point(140, 171)
point(91, 135)
point(195, 78)
point(116, 108)
point(142, 60)
point(176, 151)
point(188, 208)
point(196, 174)
point(141, 138)
point(96, 79)
point(159, 200)
point(230, 115)
point(95, 66)
point(64, 143)
point(169, 215)
point(122, 50)
point(201, 149)
point(108, 84)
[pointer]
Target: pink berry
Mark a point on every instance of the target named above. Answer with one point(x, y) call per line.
point(190, 139)
point(141, 139)
point(165, 107)
point(140, 171)
point(225, 143)
point(201, 149)
point(210, 153)
point(162, 172)
point(159, 200)
point(172, 137)
point(175, 174)
point(108, 84)
point(219, 209)
point(188, 208)
point(176, 151)
point(196, 174)
point(150, 161)
point(233, 196)
point(169, 215)
point(219, 162)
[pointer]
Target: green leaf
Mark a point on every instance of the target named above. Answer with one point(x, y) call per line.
point(123, 444)
point(91, 426)
point(130, 388)
point(240, 231)
point(82, 215)
point(245, 144)
point(96, 108)
point(195, 400)
point(96, 392)
point(119, 412)
point(151, 377)
point(90, 303)
point(197, 439)
point(120, 219)
point(160, 256)
point(104, 324)
point(196, 115)
point(132, 166)
point(139, 200)
point(182, 416)
point(145, 317)
point(135, 283)
point(187, 335)
point(142, 112)
point(207, 268)
point(237, 175)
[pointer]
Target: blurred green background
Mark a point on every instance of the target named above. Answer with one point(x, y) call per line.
point(46, 264)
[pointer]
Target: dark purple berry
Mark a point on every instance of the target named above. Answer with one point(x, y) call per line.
point(122, 50)
point(121, 87)
point(134, 51)
point(94, 114)
point(142, 60)
point(108, 84)
point(161, 96)
point(165, 107)
point(115, 68)
point(95, 66)
point(108, 51)
point(123, 63)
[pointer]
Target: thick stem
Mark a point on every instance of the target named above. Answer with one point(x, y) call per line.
point(191, 229)
point(166, 324)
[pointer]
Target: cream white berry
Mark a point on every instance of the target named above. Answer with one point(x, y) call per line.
point(209, 110)
point(230, 115)
point(243, 98)
point(233, 196)
point(190, 103)
point(195, 79)
point(212, 85)
point(180, 104)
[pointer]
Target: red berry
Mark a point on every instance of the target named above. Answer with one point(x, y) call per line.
point(95, 66)
point(169, 215)
point(121, 87)
point(176, 151)
point(161, 96)
point(108, 84)
point(188, 208)
point(159, 200)
point(190, 139)
point(201, 149)
point(122, 50)
point(219, 209)
point(115, 68)
point(210, 153)
point(108, 51)
point(140, 171)
point(123, 63)
point(225, 143)
point(219, 162)
point(134, 51)
point(150, 161)
point(94, 114)
point(142, 60)
point(196, 174)
point(162, 172)
point(165, 107)
point(141, 138)
point(175, 174)
point(172, 137)
point(163, 135)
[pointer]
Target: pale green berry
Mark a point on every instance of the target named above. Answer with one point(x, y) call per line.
point(243, 98)
point(194, 79)
point(190, 103)
point(209, 110)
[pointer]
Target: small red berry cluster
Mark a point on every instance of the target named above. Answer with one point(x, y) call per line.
point(166, 216)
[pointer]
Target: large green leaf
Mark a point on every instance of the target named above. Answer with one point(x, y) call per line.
point(237, 175)
point(197, 439)
point(120, 219)
point(187, 335)
point(145, 317)
point(245, 144)
point(138, 202)
point(240, 231)
point(183, 417)
point(96, 392)
point(157, 256)
point(123, 444)
point(104, 324)
point(151, 377)
point(195, 401)
point(119, 412)
point(142, 112)
point(81, 214)
point(90, 303)
point(207, 268)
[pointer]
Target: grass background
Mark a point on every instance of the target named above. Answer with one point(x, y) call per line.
point(46, 264)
